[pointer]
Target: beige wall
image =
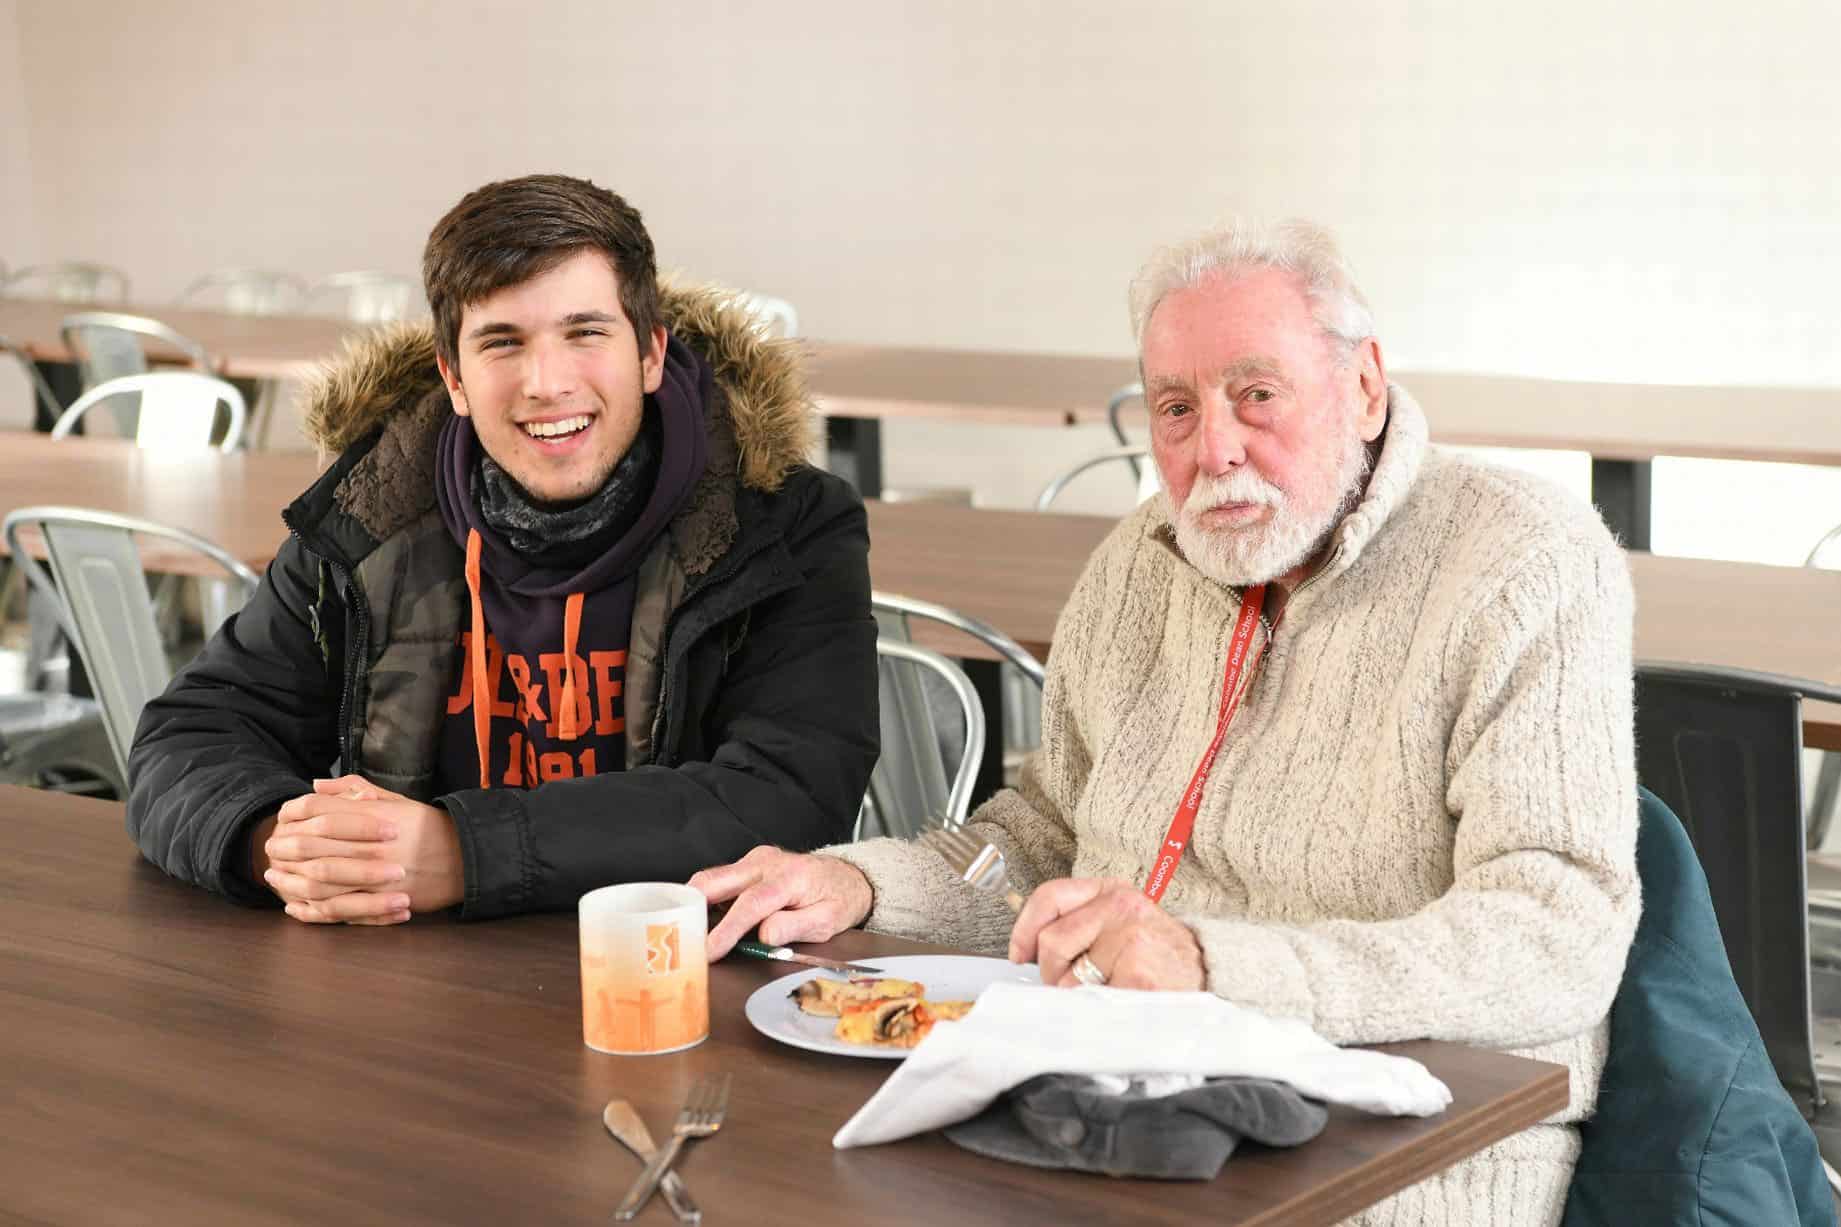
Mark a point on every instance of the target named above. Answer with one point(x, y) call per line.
point(18, 237)
point(1645, 190)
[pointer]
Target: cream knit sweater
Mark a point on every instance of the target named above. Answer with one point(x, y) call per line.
point(1422, 823)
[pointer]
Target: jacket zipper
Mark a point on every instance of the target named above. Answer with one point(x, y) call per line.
point(353, 652)
point(1273, 625)
point(664, 645)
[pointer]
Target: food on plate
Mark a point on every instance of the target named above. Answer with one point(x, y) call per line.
point(829, 998)
point(896, 1022)
point(885, 1012)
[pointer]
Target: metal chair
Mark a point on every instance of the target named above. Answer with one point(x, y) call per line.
point(247, 291)
point(1827, 796)
point(72, 281)
point(109, 344)
point(1722, 748)
point(366, 296)
point(47, 399)
point(102, 604)
point(774, 317)
point(894, 611)
point(172, 409)
point(1133, 454)
point(927, 707)
point(920, 780)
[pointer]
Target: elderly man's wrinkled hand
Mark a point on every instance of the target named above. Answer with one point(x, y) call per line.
point(1133, 942)
point(793, 897)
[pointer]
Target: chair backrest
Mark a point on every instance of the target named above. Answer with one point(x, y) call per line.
point(247, 291)
point(1135, 455)
point(46, 397)
point(774, 317)
point(1722, 748)
point(101, 600)
point(73, 281)
point(109, 345)
point(1022, 675)
point(894, 615)
point(171, 410)
point(925, 775)
point(367, 296)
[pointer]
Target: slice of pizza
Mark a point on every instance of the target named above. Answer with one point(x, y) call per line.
point(899, 1022)
point(828, 998)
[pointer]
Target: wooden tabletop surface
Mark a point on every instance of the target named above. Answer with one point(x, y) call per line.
point(172, 1057)
point(253, 346)
point(1610, 421)
point(1013, 569)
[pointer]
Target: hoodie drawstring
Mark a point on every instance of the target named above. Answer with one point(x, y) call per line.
point(566, 724)
point(482, 693)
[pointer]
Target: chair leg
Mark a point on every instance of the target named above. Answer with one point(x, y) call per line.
point(1822, 805)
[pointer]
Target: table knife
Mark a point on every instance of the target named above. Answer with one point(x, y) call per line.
point(627, 1127)
point(786, 954)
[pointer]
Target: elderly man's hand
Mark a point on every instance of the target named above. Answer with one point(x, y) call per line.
point(353, 852)
point(793, 897)
point(1135, 943)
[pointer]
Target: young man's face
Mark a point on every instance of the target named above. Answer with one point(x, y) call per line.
point(552, 375)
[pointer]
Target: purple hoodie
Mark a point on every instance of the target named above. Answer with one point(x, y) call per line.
point(540, 696)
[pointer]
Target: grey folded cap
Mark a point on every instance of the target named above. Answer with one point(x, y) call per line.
point(1067, 1121)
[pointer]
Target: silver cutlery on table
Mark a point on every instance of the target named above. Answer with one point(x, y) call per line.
point(631, 1132)
point(975, 861)
point(700, 1117)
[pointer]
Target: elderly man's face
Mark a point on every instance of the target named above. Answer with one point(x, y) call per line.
point(1258, 423)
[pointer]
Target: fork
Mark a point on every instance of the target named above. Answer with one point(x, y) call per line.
point(980, 864)
point(700, 1117)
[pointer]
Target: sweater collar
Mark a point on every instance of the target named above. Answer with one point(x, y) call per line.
point(1404, 441)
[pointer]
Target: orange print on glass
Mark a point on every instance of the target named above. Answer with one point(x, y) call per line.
point(645, 978)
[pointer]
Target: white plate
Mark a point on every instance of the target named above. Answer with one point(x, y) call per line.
point(947, 977)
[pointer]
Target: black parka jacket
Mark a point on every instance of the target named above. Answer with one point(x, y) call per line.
point(751, 670)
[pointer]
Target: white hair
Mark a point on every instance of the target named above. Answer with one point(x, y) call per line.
point(1240, 245)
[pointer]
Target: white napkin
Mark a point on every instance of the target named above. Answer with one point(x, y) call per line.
point(1018, 1031)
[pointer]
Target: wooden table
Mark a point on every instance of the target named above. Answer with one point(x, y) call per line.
point(232, 499)
point(1013, 569)
point(1622, 426)
point(171, 1057)
point(245, 346)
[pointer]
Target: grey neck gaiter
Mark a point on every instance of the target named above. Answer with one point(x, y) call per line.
point(563, 535)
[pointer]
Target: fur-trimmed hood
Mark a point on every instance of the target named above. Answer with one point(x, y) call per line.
point(391, 372)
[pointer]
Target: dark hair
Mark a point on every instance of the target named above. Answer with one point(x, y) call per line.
point(508, 232)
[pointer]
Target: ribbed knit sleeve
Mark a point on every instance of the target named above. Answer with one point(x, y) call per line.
point(916, 896)
point(1527, 944)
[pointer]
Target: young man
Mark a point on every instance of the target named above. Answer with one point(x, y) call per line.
point(569, 608)
point(1421, 819)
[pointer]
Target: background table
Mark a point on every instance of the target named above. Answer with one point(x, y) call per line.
point(245, 346)
point(1013, 569)
point(855, 386)
point(172, 1057)
point(1621, 426)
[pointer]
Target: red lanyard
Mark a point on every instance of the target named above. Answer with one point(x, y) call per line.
point(1237, 662)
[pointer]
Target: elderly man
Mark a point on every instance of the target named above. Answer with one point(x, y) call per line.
point(1339, 729)
point(568, 608)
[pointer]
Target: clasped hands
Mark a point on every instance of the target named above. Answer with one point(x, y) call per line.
point(354, 853)
point(793, 898)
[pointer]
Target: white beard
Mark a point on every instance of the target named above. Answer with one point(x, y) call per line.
point(1301, 522)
